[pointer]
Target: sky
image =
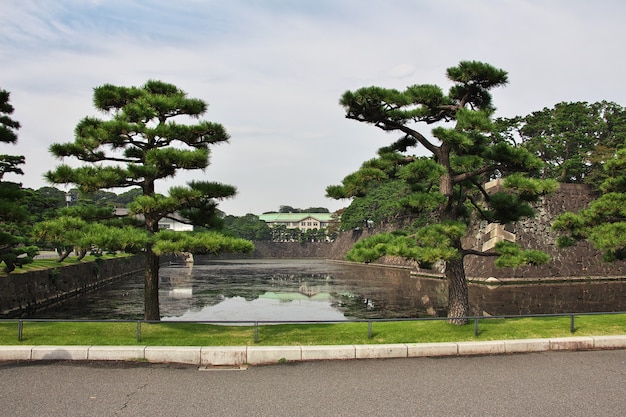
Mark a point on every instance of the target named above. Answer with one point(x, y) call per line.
point(273, 71)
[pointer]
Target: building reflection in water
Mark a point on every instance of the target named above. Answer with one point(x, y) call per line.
point(312, 289)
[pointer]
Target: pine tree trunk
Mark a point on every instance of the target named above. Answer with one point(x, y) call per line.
point(81, 254)
point(151, 287)
point(458, 297)
point(63, 256)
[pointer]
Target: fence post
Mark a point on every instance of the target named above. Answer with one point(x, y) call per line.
point(256, 332)
point(370, 334)
point(20, 329)
point(138, 332)
point(476, 326)
point(572, 328)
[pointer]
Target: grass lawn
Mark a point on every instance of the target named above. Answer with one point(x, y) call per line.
point(383, 332)
point(198, 334)
point(51, 263)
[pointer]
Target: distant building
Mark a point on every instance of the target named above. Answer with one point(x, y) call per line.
point(174, 222)
point(302, 221)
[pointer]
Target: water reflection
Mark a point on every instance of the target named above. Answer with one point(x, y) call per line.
point(549, 298)
point(305, 289)
point(286, 290)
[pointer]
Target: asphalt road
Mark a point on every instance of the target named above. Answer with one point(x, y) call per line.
point(536, 384)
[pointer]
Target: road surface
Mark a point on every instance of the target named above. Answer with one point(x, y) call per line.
point(565, 384)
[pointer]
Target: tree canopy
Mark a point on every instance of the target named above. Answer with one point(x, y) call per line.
point(247, 227)
point(15, 250)
point(144, 142)
point(572, 139)
point(603, 222)
point(290, 209)
point(444, 190)
point(8, 134)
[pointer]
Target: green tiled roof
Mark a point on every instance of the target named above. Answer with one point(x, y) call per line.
point(294, 217)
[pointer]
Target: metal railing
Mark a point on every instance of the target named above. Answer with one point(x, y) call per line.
point(257, 323)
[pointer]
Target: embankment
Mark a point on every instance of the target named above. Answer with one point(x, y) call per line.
point(21, 294)
point(580, 261)
point(289, 250)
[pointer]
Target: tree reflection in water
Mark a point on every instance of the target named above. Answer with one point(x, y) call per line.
point(314, 289)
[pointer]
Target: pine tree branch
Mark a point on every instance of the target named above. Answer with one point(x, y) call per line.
point(474, 252)
point(387, 123)
point(469, 175)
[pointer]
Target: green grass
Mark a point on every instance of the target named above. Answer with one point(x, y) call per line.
point(41, 264)
point(197, 334)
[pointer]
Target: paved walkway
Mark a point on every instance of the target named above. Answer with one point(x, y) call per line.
point(551, 384)
point(213, 356)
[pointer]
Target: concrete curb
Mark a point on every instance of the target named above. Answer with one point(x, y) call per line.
point(260, 355)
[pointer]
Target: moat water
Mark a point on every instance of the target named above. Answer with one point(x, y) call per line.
point(312, 289)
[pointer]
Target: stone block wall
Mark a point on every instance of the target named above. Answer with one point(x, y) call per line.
point(292, 250)
point(23, 293)
point(581, 260)
point(535, 233)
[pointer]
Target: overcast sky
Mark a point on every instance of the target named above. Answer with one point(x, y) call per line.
point(273, 71)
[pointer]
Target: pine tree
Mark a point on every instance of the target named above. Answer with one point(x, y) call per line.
point(14, 248)
point(139, 145)
point(444, 189)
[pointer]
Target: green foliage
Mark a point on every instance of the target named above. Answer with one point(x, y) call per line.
point(126, 197)
point(615, 169)
point(603, 223)
point(575, 224)
point(505, 208)
point(428, 245)
point(15, 250)
point(247, 227)
point(573, 140)
point(382, 204)
point(167, 241)
point(138, 145)
point(8, 126)
point(202, 209)
point(421, 173)
point(45, 202)
point(385, 332)
point(511, 255)
point(125, 239)
point(444, 190)
point(369, 250)
point(71, 232)
point(447, 185)
point(290, 209)
point(610, 238)
point(529, 189)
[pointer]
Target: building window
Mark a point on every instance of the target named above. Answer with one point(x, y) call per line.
point(165, 226)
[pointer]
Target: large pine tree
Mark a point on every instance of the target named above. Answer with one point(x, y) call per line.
point(447, 187)
point(603, 222)
point(139, 145)
point(13, 215)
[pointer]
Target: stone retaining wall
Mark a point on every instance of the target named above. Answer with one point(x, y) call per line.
point(23, 293)
point(581, 260)
point(534, 233)
point(291, 250)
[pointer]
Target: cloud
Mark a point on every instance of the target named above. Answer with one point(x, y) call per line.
point(273, 72)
